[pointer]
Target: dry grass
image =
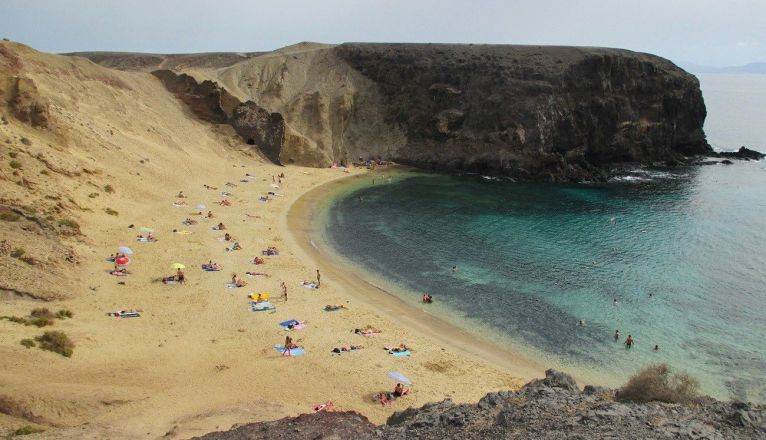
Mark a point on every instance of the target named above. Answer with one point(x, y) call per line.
point(659, 383)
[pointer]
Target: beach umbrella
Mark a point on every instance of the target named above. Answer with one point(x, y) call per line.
point(263, 295)
point(399, 377)
point(177, 266)
point(125, 250)
point(201, 207)
point(122, 261)
point(145, 229)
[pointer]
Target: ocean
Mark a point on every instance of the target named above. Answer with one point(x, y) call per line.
point(675, 259)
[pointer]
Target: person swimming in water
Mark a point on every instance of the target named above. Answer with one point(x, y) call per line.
point(616, 335)
point(629, 341)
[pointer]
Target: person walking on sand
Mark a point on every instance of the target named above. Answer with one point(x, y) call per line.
point(319, 277)
point(284, 290)
point(288, 346)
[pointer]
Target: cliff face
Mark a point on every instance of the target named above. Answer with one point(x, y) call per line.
point(530, 112)
point(548, 113)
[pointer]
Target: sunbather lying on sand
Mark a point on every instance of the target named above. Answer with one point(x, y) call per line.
point(179, 203)
point(234, 247)
point(132, 313)
point(119, 271)
point(227, 236)
point(257, 274)
point(253, 216)
point(385, 399)
point(210, 187)
point(210, 214)
point(219, 227)
point(224, 202)
point(148, 239)
point(258, 260)
point(189, 222)
point(347, 349)
point(210, 266)
point(332, 308)
point(180, 195)
point(231, 185)
point(322, 407)
point(400, 349)
point(271, 250)
point(367, 330)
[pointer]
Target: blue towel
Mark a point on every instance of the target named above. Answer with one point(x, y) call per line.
point(289, 322)
point(293, 351)
point(401, 353)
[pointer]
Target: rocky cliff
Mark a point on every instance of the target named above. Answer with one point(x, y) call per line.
point(529, 112)
point(550, 408)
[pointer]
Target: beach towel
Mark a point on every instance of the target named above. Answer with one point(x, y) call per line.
point(178, 205)
point(274, 185)
point(256, 274)
point(118, 273)
point(125, 314)
point(182, 232)
point(244, 180)
point(293, 351)
point(169, 281)
point(225, 194)
point(231, 286)
point(264, 199)
point(207, 268)
point(368, 334)
point(261, 306)
point(188, 222)
point(216, 228)
point(399, 353)
point(145, 240)
point(309, 286)
point(295, 327)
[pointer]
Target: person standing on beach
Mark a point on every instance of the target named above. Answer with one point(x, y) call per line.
point(288, 346)
point(284, 290)
point(319, 279)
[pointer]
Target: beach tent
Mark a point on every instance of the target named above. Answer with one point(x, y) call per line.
point(125, 250)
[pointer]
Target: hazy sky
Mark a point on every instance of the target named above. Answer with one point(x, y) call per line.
point(712, 32)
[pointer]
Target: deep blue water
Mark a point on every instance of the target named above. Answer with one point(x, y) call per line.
point(683, 253)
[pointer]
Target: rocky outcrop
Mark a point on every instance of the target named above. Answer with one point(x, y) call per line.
point(259, 127)
point(551, 408)
point(207, 99)
point(743, 153)
point(26, 104)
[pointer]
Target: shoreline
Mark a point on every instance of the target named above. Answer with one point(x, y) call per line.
point(300, 226)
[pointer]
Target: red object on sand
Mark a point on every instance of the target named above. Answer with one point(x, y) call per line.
point(122, 261)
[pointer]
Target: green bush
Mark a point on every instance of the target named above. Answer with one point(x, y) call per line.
point(29, 343)
point(64, 314)
point(40, 322)
point(45, 172)
point(657, 382)
point(108, 188)
point(15, 164)
point(57, 342)
point(9, 216)
point(28, 429)
point(111, 211)
point(16, 319)
point(69, 223)
point(18, 252)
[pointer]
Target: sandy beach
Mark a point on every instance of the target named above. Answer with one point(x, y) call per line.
point(198, 358)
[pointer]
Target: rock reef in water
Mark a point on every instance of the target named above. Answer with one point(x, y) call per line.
point(529, 112)
point(550, 408)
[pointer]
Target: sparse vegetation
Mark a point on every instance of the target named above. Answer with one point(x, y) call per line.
point(57, 342)
point(64, 314)
point(45, 172)
point(13, 154)
point(69, 223)
point(40, 322)
point(15, 164)
point(108, 188)
point(16, 319)
point(29, 343)
point(18, 252)
point(41, 312)
point(28, 429)
point(111, 211)
point(659, 383)
point(9, 216)
point(93, 195)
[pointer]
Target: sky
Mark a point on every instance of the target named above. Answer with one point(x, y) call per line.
point(705, 32)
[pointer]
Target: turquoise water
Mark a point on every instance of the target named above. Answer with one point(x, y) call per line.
point(683, 253)
point(534, 259)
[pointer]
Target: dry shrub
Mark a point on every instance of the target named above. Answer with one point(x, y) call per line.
point(28, 429)
point(57, 342)
point(658, 382)
point(42, 312)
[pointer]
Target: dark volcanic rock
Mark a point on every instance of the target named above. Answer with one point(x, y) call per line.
point(206, 99)
point(541, 113)
point(259, 127)
point(326, 425)
point(550, 408)
point(742, 153)
point(27, 104)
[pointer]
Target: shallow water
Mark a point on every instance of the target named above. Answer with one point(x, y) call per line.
point(682, 254)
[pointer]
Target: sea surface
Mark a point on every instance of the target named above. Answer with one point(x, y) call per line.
point(675, 259)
